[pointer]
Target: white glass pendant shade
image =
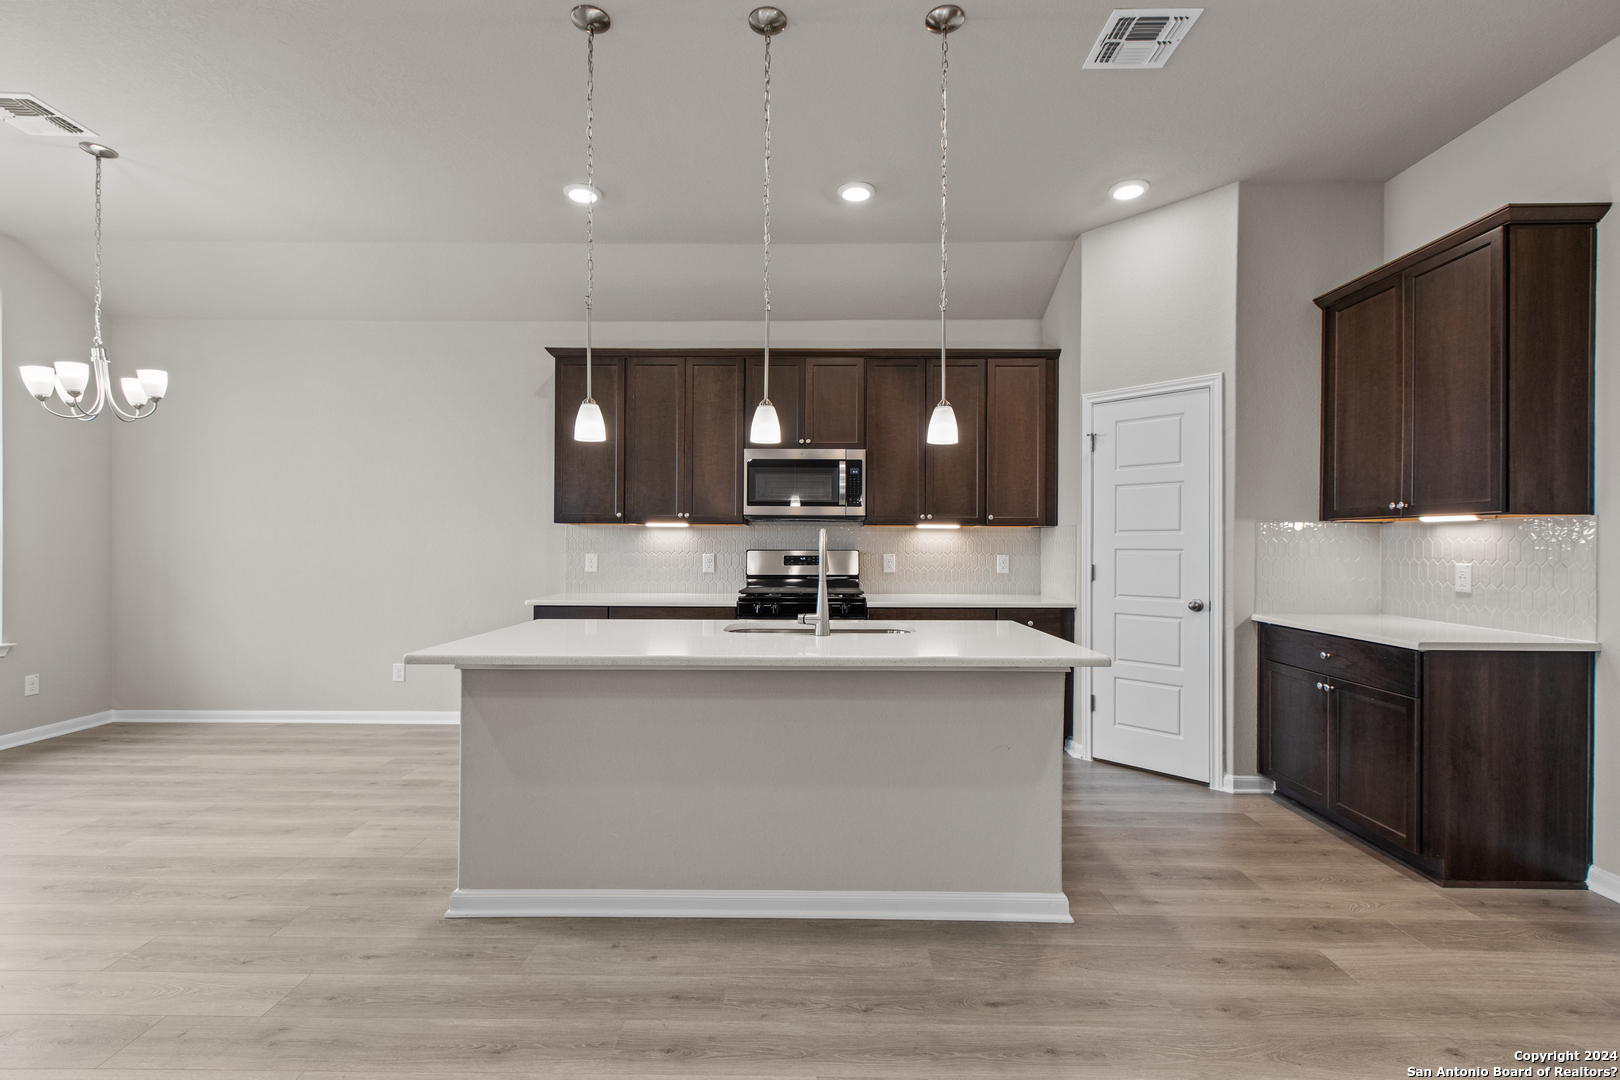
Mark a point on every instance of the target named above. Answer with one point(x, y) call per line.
point(39, 380)
point(942, 425)
point(73, 376)
point(766, 428)
point(588, 424)
point(133, 392)
point(154, 382)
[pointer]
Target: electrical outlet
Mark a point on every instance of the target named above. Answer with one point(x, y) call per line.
point(590, 564)
point(888, 563)
point(708, 563)
point(399, 672)
point(1003, 564)
point(1462, 578)
point(30, 685)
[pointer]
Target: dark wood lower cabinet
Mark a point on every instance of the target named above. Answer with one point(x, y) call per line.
point(1475, 768)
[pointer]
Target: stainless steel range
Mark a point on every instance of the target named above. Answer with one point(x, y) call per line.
point(782, 585)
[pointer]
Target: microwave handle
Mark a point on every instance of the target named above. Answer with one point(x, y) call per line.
point(843, 470)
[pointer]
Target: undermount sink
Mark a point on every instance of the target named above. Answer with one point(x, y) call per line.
point(839, 626)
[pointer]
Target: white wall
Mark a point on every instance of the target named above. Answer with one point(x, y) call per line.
point(56, 489)
point(317, 498)
point(1558, 143)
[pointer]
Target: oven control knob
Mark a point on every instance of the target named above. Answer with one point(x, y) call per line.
point(774, 609)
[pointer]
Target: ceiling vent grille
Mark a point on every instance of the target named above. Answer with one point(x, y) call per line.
point(32, 115)
point(1138, 38)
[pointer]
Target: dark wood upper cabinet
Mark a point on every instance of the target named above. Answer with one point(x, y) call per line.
point(716, 422)
point(1020, 426)
point(787, 394)
point(589, 476)
point(1365, 406)
point(654, 438)
point(1482, 402)
point(835, 401)
point(895, 429)
point(953, 480)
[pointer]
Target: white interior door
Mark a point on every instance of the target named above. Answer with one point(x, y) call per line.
point(1152, 608)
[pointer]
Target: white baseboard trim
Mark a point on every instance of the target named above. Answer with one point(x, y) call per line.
point(51, 731)
point(1074, 750)
point(1235, 784)
point(1605, 883)
point(757, 904)
point(281, 716)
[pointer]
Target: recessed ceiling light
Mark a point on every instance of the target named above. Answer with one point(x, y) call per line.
point(1126, 190)
point(858, 192)
point(583, 193)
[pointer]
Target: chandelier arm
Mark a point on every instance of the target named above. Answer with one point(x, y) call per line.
point(67, 415)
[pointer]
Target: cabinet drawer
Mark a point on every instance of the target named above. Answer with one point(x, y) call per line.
point(1059, 622)
point(566, 611)
point(928, 614)
point(1368, 663)
point(672, 613)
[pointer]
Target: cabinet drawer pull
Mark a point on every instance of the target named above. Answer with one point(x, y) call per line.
point(1324, 655)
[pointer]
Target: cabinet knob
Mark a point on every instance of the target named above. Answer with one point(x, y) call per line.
point(1392, 506)
point(1324, 655)
point(989, 517)
point(1031, 622)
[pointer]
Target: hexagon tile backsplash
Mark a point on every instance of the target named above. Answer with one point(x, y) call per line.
point(1536, 575)
point(926, 561)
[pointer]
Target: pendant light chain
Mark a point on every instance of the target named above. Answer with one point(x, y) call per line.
point(944, 113)
point(590, 185)
point(767, 382)
point(97, 343)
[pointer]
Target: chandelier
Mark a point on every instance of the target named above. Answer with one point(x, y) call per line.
point(766, 427)
point(70, 380)
point(589, 425)
point(942, 20)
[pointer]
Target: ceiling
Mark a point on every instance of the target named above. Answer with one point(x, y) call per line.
point(404, 122)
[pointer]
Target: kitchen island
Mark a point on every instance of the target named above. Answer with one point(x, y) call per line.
point(672, 768)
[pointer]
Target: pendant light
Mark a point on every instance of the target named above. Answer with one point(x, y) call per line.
point(942, 20)
point(69, 379)
point(588, 424)
point(767, 428)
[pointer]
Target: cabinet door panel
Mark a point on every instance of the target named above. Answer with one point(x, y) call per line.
point(654, 451)
point(1458, 381)
point(714, 440)
point(587, 475)
point(1018, 477)
point(894, 446)
point(1375, 774)
point(787, 381)
point(1365, 417)
point(1294, 732)
point(954, 474)
point(835, 401)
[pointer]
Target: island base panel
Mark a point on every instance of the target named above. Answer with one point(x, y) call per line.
point(762, 793)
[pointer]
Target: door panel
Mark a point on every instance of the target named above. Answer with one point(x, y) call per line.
point(1016, 433)
point(1458, 381)
point(954, 475)
point(1365, 419)
point(1294, 712)
point(714, 432)
point(787, 382)
point(1150, 545)
point(894, 445)
point(587, 475)
point(835, 401)
point(1375, 773)
point(654, 450)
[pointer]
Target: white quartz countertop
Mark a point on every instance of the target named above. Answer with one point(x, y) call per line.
point(1425, 635)
point(698, 643)
point(875, 601)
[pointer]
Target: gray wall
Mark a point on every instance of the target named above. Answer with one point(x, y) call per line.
point(57, 607)
point(1558, 143)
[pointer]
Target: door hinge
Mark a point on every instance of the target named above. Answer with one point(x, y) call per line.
point(1092, 435)
point(1093, 571)
point(1093, 702)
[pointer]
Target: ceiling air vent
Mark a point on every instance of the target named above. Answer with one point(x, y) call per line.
point(32, 115)
point(1137, 38)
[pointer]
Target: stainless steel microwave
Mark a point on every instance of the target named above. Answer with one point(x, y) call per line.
point(805, 485)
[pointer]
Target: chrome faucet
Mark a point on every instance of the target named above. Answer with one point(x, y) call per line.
point(822, 619)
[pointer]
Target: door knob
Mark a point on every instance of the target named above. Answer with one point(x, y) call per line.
point(1196, 605)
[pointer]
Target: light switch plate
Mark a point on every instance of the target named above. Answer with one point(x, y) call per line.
point(1003, 564)
point(708, 563)
point(30, 685)
point(399, 672)
point(590, 564)
point(1462, 577)
point(888, 562)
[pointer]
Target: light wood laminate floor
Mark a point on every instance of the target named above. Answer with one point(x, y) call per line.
point(265, 901)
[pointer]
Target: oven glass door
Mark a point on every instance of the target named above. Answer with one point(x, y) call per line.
point(779, 483)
